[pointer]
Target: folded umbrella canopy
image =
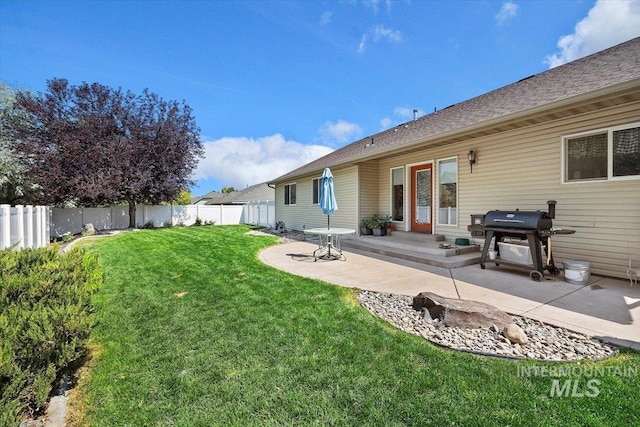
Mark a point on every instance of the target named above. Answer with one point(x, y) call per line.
point(327, 196)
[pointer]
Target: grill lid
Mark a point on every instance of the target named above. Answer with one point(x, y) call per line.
point(521, 220)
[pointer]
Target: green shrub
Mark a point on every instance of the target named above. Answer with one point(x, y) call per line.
point(45, 320)
point(198, 222)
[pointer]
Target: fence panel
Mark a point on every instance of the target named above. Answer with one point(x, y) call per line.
point(207, 213)
point(157, 215)
point(231, 214)
point(66, 220)
point(24, 226)
point(119, 218)
point(261, 213)
point(71, 220)
point(35, 226)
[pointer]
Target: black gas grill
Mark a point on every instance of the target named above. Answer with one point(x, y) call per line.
point(534, 227)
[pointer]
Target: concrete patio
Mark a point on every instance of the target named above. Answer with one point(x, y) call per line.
point(606, 308)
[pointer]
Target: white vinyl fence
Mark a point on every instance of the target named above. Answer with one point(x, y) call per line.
point(261, 213)
point(71, 220)
point(24, 226)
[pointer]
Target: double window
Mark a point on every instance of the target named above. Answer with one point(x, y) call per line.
point(290, 194)
point(606, 154)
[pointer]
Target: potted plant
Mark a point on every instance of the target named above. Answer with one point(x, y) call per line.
point(365, 227)
point(378, 227)
point(388, 225)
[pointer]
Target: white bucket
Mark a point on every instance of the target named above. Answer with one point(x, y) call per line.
point(492, 254)
point(577, 272)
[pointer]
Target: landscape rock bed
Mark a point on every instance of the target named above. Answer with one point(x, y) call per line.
point(286, 236)
point(545, 342)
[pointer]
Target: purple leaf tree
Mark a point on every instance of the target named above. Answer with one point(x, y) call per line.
point(91, 145)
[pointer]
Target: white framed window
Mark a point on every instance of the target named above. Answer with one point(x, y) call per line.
point(602, 155)
point(290, 194)
point(448, 191)
point(397, 194)
point(315, 184)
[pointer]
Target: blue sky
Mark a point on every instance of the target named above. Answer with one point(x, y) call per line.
point(276, 84)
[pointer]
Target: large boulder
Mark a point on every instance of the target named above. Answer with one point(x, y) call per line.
point(460, 313)
point(88, 229)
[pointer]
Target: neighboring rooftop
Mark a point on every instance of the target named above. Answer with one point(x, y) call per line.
point(254, 193)
point(540, 95)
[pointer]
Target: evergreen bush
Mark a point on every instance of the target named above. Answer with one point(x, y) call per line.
point(45, 320)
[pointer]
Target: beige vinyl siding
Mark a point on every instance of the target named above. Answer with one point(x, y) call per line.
point(306, 214)
point(368, 189)
point(522, 169)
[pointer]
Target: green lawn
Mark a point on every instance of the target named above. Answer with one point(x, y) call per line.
point(193, 330)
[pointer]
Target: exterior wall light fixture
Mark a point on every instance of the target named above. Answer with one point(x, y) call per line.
point(472, 159)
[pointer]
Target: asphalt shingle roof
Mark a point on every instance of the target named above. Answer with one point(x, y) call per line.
point(611, 67)
point(258, 192)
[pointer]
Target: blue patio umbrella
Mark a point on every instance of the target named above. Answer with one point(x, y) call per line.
point(327, 196)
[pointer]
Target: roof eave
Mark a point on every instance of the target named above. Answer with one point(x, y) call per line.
point(433, 139)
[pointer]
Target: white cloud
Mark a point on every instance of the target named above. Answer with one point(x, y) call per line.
point(363, 43)
point(326, 17)
point(508, 11)
point(241, 161)
point(406, 112)
point(378, 33)
point(386, 122)
point(339, 132)
point(401, 115)
point(375, 3)
point(608, 23)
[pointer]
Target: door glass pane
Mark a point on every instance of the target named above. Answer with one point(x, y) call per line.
point(448, 186)
point(397, 194)
point(626, 152)
point(587, 157)
point(423, 196)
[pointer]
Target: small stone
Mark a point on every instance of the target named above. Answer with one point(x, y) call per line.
point(580, 349)
point(504, 339)
point(515, 334)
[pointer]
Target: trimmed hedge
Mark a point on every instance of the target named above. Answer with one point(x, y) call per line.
point(45, 320)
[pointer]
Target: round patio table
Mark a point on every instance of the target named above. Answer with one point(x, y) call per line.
point(329, 239)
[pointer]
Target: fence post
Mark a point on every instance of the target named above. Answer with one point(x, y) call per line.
point(20, 226)
point(259, 213)
point(5, 211)
point(42, 226)
point(29, 240)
